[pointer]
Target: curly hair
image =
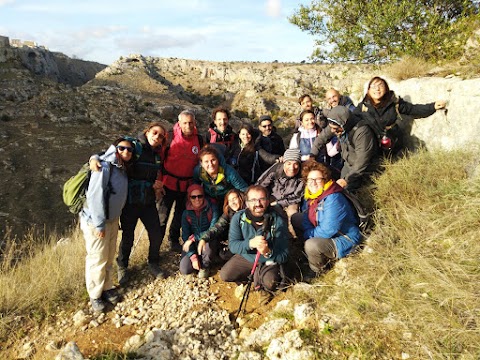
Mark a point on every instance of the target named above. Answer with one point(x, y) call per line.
point(312, 165)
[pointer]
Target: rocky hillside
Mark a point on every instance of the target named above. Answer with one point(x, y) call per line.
point(56, 111)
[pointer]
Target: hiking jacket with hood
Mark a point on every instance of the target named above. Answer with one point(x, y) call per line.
point(227, 179)
point(112, 178)
point(181, 159)
point(336, 220)
point(197, 222)
point(242, 230)
point(284, 189)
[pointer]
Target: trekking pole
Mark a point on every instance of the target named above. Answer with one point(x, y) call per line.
point(138, 239)
point(246, 293)
point(266, 228)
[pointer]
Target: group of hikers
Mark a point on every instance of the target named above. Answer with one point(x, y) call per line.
point(242, 199)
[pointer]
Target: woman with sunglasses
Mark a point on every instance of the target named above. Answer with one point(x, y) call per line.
point(106, 196)
point(141, 201)
point(328, 223)
point(197, 218)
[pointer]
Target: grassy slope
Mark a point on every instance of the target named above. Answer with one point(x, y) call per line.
point(412, 290)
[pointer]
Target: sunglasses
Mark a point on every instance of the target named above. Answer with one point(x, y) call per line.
point(196, 197)
point(266, 126)
point(123, 148)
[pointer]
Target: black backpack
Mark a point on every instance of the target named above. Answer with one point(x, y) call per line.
point(363, 216)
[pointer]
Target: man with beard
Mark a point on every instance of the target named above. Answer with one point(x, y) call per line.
point(257, 229)
point(220, 132)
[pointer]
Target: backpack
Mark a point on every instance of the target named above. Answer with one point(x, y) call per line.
point(75, 189)
point(363, 216)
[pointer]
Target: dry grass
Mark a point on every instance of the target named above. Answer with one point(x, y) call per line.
point(408, 67)
point(45, 279)
point(414, 289)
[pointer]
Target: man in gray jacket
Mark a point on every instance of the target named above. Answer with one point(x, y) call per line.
point(359, 147)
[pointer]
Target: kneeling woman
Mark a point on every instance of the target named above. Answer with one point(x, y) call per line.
point(330, 225)
point(106, 196)
point(197, 218)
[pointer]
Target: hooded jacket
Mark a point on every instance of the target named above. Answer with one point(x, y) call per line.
point(113, 176)
point(284, 189)
point(303, 140)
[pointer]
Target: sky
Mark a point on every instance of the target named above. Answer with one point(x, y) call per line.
point(214, 30)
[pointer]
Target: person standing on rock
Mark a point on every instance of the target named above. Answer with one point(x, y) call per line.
point(257, 230)
point(106, 196)
point(220, 132)
point(141, 201)
point(177, 172)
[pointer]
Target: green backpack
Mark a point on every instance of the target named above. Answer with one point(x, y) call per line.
point(75, 189)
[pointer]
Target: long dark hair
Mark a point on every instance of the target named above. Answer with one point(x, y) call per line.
point(386, 98)
point(250, 147)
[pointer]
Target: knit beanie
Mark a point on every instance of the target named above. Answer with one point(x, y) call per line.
point(292, 155)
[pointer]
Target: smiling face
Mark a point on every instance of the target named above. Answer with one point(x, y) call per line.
point(124, 150)
point(155, 136)
point(196, 198)
point(306, 103)
point(187, 124)
point(210, 164)
point(245, 136)
point(377, 90)
point(221, 121)
point(265, 127)
point(257, 202)
point(315, 181)
point(308, 121)
point(333, 97)
point(234, 202)
point(291, 168)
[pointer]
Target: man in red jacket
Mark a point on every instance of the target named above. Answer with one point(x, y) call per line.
point(177, 174)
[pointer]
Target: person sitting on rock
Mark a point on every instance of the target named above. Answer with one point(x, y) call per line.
point(269, 143)
point(328, 225)
point(217, 236)
point(257, 230)
point(197, 218)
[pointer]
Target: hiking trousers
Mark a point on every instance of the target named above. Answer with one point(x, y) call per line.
point(148, 214)
point(179, 198)
point(100, 257)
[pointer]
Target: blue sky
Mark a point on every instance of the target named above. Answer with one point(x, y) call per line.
point(215, 30)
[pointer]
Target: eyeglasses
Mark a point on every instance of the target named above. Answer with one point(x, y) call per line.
point(196, 197)
point(312, 181)
point(254, 201)
point(123, 148)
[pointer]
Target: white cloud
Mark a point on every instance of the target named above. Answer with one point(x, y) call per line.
point(6, 2)
point(274, 8)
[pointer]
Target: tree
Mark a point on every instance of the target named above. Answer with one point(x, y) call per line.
point(386, 30)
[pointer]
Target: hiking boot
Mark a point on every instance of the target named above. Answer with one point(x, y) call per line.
point(264, 297)
point(155, 271)
point(122, 274)
point(203, 273)
point(98, 305)
point(112, 296)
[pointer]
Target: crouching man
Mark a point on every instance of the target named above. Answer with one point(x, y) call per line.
point(257, 229)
